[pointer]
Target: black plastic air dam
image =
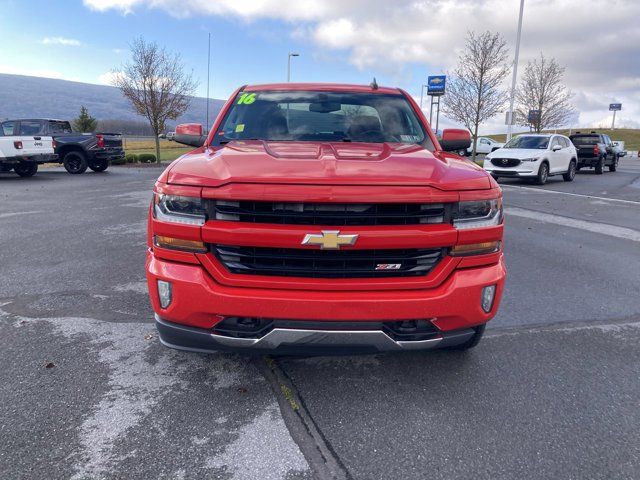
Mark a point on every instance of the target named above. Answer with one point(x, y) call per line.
point(304, 342)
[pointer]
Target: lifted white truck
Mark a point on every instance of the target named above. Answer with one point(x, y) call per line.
point(23, 153)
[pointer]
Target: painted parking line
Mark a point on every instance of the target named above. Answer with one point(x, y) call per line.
point(594, 227)
point(593, 197)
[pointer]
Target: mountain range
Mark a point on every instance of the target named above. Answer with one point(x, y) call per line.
point(36, 97)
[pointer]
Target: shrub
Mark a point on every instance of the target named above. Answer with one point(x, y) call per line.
point(131, 158)
point(146, 158)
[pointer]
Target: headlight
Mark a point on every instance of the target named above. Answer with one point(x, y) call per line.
point(178, 209)
point(532, 159)
point(478, 213)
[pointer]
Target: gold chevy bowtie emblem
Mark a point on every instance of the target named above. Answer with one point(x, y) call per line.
point(329, 239)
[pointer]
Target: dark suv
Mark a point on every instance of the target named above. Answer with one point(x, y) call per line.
point(595, 150)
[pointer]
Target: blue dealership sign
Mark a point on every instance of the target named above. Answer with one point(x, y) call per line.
point(615, 106)
point(534, 116)
point(436, 84)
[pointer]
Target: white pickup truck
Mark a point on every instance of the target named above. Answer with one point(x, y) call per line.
point(485, 145)
point(23, 153)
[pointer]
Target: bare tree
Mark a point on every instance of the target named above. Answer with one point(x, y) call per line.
point(475, 92)
point(542, 88)
point(156, 85)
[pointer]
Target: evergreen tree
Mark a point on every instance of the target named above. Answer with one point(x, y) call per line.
point(85, 123)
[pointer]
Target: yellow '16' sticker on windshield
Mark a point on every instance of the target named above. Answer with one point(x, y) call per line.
point(240, 128)
point(247, 99)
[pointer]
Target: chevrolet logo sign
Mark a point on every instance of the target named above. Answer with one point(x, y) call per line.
point(329, 239)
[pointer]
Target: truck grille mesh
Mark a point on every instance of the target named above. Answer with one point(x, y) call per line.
point(330, 214)
point(295, 262)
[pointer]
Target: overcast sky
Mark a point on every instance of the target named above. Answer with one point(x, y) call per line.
point(400, 41)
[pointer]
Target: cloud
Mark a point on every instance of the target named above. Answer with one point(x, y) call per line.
point(108, 78)
point(33, 72)
point(389, 37)
point(67, 42)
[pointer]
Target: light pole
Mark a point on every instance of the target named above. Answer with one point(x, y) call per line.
point(421, 94)
point(208, 69)
point(515, 72)
point(291, 54)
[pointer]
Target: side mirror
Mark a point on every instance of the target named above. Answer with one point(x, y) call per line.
point(454, 139)
point(556, 148)
point(188, 134)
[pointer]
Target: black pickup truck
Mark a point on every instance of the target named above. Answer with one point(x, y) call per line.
point(595, 150)
point(76, 151)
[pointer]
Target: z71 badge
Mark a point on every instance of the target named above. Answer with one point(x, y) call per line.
point(388, 266)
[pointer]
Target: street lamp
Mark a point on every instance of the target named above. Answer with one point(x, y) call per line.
point(515, 73)
point(421, 94)
point(291, 54)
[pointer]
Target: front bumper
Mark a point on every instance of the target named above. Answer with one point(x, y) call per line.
point(199, 303)
point(301, 341)
point(531, 170)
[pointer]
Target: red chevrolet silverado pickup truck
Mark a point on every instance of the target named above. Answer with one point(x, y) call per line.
point(323, 218)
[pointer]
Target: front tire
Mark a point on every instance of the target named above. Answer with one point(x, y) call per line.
point(614, 166)
point(543, 174)
point(26, 169)
point(462, 153)
point(571, 173)
point(473, 341)
point(75, 163)
point(100, 166)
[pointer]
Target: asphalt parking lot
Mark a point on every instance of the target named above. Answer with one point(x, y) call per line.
point(87, 391)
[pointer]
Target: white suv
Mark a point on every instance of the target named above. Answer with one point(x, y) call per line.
point(534, 156)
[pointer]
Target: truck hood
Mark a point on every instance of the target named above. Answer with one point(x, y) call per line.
point(326, 164)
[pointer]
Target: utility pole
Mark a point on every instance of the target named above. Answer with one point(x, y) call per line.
point(613, 123)
point(291, 54)
point(515, 73)
point(208, 69)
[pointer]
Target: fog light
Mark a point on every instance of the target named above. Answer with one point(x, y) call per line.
point(164, 292)
point(487, 298)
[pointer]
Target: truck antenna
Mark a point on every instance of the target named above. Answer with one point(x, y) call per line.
point(374, 84)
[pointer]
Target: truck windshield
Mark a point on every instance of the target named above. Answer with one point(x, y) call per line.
point(528, 141)
point(321, 116)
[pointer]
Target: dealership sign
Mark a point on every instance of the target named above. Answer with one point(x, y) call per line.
point(436, 84)
point(615, 106)
point(534, 116)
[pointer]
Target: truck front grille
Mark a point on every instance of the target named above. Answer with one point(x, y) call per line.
point(295, 262)
point(330, 214)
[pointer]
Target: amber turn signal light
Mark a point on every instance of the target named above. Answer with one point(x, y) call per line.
point(475, 249)
point(192, 246)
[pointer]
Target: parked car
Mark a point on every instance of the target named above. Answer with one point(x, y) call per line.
point(485, 145)
point(534, 156)
point(23, 153)
point(618, 147)
point(595, 150)
point(320, 217)
point(76, 151)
